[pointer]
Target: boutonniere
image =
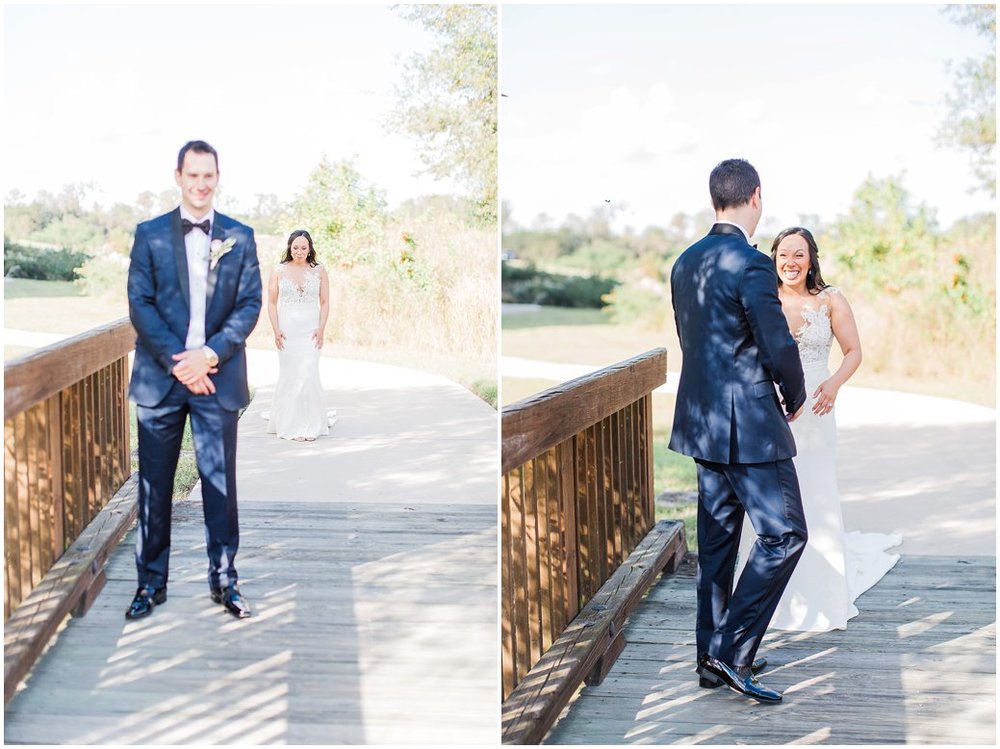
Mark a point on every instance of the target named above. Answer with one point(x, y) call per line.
point(217, 249)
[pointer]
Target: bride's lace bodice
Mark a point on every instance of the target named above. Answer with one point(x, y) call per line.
point(290, 293)
point(815, 335)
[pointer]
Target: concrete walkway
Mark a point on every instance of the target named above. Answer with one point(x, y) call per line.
point(370, 558)
point(918, 465)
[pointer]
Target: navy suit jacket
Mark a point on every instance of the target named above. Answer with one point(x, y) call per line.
point(736, 345)
point(158, 300)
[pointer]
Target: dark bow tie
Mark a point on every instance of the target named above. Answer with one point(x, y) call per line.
point(205, 226)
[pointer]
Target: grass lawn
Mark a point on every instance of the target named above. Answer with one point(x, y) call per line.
point(551, 316)
point(55, 307)
point(25, 288)
point(555, 335)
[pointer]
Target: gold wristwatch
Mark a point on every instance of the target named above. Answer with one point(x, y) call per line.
point(210, 356)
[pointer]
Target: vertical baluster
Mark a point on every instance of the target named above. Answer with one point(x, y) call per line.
point(531, 558)
point(12, 543)
point(557, 550)
point(33, 438)
point(56, 472)
point(604, 508)
point(591, 543)
point(507, 654)
point(569, 527)
point(636, 464)
point(649, 512)
point(519, 569)
point(621, 496)
point(93, 452)
point(23, 505)
point(545, 577)
point(71, 430)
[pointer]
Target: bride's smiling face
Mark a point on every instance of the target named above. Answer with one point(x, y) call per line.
point(300, 249)
point(792, 261)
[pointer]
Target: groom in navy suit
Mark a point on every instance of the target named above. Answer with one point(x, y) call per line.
point(736, 346)
point(194, 296)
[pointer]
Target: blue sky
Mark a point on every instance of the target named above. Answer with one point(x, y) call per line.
point(108, 94)
point(636, 104)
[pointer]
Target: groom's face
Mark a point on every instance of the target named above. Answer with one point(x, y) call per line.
point(197, 179)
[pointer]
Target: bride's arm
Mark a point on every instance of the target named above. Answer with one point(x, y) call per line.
point(845, 330)
point(324, 306)
point(272, 309)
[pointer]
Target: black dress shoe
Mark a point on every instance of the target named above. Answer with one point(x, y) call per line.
point(145, 600)
point(711, 682)
point(235, 603)
point(742, 680)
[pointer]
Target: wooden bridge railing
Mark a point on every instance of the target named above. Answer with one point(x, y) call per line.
point(577, 503)
point(66, 453)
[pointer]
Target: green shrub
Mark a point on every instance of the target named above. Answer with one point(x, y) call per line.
point(527, 285)
point(631, 303)
point(41, 264)
point(104, 275)
point(598, 255)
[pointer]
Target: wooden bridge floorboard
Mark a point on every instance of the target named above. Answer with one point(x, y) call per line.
point(917, 665)
point(362, 633)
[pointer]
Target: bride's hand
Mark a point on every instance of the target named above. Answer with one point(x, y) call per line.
point(825, 396)
point(317, 337)
point(279, 340)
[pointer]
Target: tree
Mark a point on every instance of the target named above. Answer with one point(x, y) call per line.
point(884, 241)
point(971, 123)
point(448, 98)
point(344, 215)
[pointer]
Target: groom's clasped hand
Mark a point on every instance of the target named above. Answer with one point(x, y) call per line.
point(193, 370)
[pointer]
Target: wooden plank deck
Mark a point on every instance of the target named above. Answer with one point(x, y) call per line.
point(376, 606)
point(918, 665)
point(364, 620)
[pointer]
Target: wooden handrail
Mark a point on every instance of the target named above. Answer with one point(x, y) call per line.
point(540, 422)
point(32, 378)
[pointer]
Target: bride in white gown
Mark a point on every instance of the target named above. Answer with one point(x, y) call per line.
point(836, 567)
point(298, 306)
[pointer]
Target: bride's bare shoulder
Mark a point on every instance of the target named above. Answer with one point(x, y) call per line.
point(835, 298)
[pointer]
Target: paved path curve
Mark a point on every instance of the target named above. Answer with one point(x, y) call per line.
point(914, 464)
point(370, 557)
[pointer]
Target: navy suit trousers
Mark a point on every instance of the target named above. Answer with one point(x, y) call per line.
point(161, 429)
point(731, 622)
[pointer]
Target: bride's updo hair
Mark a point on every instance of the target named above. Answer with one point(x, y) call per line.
point(814, 278)
point(310, 258)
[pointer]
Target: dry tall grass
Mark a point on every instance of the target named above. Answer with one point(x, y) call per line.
point(431, 287)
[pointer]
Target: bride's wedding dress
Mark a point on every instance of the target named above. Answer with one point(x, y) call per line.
point(836, 567)
point(297, 410)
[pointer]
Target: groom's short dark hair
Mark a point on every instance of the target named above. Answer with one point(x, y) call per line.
point(198, 146)
point(732, 183)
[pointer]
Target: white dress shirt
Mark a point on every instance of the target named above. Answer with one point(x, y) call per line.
point(720, 221)
point(197, 243)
